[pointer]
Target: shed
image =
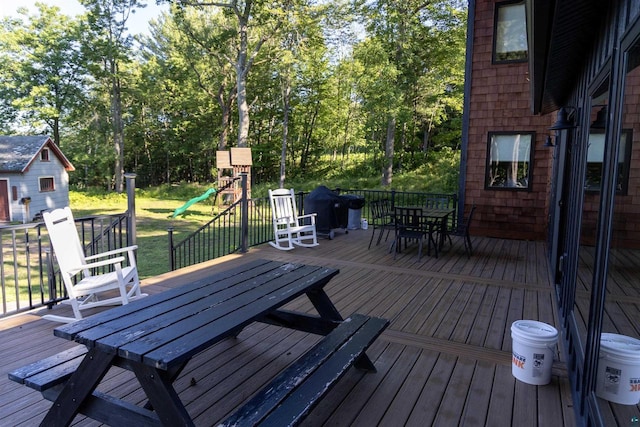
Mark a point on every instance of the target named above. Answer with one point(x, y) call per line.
point(33, 177)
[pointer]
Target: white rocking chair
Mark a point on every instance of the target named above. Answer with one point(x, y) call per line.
point(290, 228)
point(63, 235)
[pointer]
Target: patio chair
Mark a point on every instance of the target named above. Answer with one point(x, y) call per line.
point(382, 219)
point(463, 231)
point(90, 281)
point(289, 228)
point(439, 203)
point(410, 224)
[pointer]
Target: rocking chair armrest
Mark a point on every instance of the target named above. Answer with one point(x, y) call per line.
point(312, 216)
point(112, 252)
point(110, 261)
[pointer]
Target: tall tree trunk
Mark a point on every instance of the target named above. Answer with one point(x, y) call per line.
point(225, 103)
point(286, 93)
point(387, 172)
point(56, 131)
point(241, 75)
point(118, 130)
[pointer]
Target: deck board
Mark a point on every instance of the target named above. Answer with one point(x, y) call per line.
point(444, 360)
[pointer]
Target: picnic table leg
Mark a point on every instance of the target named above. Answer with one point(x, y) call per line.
point(173, 375)
point(79, 387)
point(327, 310)
point(323, 304)
point(162, 396)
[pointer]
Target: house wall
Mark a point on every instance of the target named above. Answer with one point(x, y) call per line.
point(28, 185)
point(626, 214)
point(499, 100)
point(584, 307)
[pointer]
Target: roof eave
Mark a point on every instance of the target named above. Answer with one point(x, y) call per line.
point(561, 34)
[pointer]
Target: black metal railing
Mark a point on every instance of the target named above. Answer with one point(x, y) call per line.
point(29, 276)
point(28, 271)
point(247, 222)
point(406, 198)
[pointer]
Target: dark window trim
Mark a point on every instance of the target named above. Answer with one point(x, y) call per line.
point(495, 61)
point(44, 155)
point(528, 188)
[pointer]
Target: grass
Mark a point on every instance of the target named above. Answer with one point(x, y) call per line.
point(154, 210)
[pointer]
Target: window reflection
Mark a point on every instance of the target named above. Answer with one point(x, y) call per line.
point(595, 158)
point(509, 158)
point(510, 37)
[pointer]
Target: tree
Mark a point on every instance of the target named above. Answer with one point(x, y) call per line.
point(300, 59)
point(206, 53)
point(174, 119)
point(424, 42)
point(247, 45)
point(43, 76)
point(378, 88)
point(108, 45)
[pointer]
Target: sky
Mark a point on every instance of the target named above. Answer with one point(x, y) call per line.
point(137, 23)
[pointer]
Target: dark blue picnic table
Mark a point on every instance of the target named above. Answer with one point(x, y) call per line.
point(157, 336)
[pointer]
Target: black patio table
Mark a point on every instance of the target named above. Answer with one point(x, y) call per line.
point(441, 217)
point(156, 336)
point(438, 217)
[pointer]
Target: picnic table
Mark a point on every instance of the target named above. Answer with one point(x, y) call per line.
point(157, 336)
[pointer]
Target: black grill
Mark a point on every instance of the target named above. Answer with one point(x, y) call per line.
point(332, 209)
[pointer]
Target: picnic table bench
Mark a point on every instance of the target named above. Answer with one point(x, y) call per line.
point(157, 336)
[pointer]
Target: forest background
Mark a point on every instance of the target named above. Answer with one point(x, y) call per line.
point(348, 91)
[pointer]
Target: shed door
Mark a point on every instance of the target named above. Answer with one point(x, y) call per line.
point(4, 200)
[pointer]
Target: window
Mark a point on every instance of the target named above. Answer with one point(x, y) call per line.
point(595, 157)
point(46, 184)
point(509, 160)
point(510, 33)
point(44, 155)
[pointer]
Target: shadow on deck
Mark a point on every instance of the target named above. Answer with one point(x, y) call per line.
point(445, 360)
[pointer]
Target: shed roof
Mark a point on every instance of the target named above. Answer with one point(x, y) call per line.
point(18, 152)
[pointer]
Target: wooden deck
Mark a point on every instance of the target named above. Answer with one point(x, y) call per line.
point(444, 361)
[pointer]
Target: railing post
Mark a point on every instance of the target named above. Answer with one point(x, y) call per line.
point(244, 212)
point(51, 277)
point(131, 207)
point(172, 257)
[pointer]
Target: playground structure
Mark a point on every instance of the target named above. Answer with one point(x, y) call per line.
point(230, 165)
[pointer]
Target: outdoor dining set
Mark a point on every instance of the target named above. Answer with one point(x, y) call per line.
point(429, 222)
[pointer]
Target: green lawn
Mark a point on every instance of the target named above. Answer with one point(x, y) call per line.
point(154, 217)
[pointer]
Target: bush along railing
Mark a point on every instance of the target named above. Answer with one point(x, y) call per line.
point(247, 222)
point(28, 270)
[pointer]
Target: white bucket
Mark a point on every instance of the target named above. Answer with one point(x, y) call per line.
point(618, 378)
point(533, 345)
